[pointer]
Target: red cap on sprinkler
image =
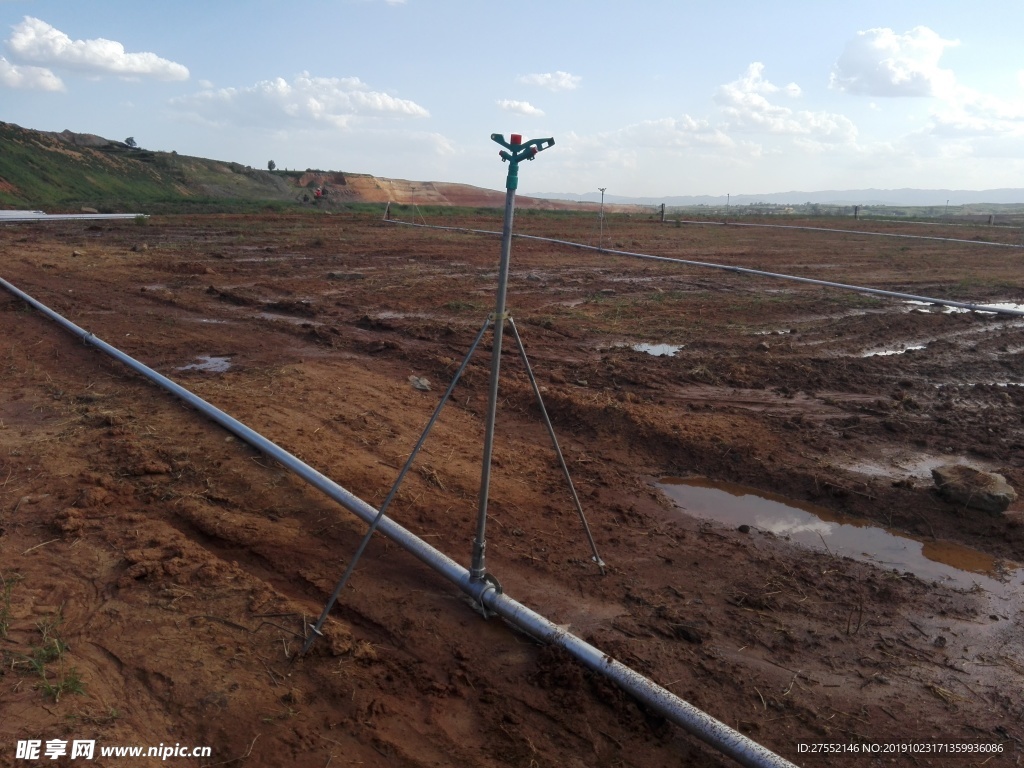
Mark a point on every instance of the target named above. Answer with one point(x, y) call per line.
point(517, 138)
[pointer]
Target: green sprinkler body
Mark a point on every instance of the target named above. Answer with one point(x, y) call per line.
point(515, 150)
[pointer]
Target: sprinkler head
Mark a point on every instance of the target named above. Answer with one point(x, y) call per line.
point(517, 151)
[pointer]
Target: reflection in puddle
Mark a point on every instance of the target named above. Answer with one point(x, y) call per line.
point(657, 350)
point(285, 257)
point(959, 310)
point(1005, 305)
point(286, 318)
point(813, 526)
point(210, 363)
point(898, 350)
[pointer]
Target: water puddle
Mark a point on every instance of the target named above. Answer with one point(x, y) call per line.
point(943, 309)
point(392, 315)
point(285, 257)
point(209, 363)
point(896, 350)
point(826, 531)
point(657, 350)
point(919, 466)
point(292, 320)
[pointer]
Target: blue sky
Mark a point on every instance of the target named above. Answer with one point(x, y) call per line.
point(646, 99)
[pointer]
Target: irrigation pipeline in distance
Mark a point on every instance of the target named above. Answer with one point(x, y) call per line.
point(844, 231)
point(20, 217)
point(757, 272)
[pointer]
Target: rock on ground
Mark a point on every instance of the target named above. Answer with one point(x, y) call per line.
point(985, 491)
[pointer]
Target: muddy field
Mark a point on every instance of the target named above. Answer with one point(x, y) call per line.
point(158, 573)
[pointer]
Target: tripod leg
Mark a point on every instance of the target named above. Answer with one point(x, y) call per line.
point(391, 495)
point(558, 451)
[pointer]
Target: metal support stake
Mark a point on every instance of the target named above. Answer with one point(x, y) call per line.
point(554, 440)
point(391, 495)
point(515, 151)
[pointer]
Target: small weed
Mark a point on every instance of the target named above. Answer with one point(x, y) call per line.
point(52, 650)
point(113, 714)
point(285, 714)
point(460, 306)
point(6, 590)
point(141, 220)
point(70, 681)
point(48, 627)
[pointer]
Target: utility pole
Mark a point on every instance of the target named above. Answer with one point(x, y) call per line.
point(600, 216)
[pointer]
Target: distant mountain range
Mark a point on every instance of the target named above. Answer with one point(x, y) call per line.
point(907, 197)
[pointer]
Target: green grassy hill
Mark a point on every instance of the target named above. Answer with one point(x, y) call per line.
point(67, 171)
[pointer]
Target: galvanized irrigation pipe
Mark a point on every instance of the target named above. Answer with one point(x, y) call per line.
point(844, 231)
point(478, 568)
point(745, 270)
point(21, 217)
point(663, 702)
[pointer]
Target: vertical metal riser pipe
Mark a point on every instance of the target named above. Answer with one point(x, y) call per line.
point(478, 567)
point(696, 722)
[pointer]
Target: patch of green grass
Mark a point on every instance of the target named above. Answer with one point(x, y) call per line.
point(69, 681)
point(460, 306)
point(51, 650)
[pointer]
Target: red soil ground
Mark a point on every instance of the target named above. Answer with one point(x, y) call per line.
point(159, 573)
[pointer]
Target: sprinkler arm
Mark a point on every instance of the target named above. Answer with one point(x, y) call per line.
point(518, 152)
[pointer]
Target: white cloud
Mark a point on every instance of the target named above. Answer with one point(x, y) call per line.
point(553, 81)
point(37, 42)
point(647, 142)
point(520, 108)
point(968, 113)
point(746, 106)
point(674, 133)
point(752, 131)
point(329, 101)
point(879, 62)
point(441, 145)
point(29, 78)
